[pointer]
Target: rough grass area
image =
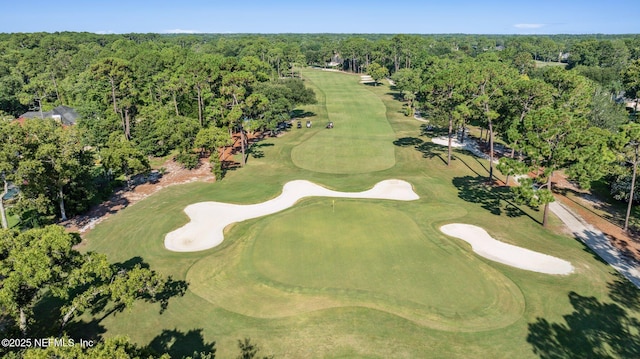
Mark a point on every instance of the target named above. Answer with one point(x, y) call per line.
point(366, 278)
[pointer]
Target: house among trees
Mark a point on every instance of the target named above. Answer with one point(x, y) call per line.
point(63, 114)
point(631, 104)
point(335, 61)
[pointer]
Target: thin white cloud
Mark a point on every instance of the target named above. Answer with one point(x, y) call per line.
point(105, 32)
point(529, 26)
point(181, 31)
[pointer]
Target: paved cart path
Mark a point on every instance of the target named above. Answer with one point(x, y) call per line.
point(597, 241)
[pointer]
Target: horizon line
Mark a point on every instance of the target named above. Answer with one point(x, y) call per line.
point(313, 33)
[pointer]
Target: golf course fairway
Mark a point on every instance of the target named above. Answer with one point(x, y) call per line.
point(361, 140)
point(357, 277)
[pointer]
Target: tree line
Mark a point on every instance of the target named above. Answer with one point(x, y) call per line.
point(192, 96)
point(136, 98)
point(551, 118)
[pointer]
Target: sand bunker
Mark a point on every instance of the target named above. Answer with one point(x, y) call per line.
point(468, 145)
point(208, 219)
point(366, 79)
point(444, 141)
point(490, 248)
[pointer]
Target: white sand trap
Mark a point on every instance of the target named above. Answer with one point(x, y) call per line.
point(490, 248)
point(208, 219)
point(468, 145)
point(444, 141)
point(366, 79)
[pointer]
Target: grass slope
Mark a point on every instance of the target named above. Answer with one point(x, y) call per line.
point(361, 140)
point(370, 279)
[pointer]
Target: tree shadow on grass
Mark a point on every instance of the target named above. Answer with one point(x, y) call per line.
point(433, 131)
point(408, 141)
point(595, 329)
point(396, 96)
point(88, 330)
point(477, 190)
point(180, 344)
point(301, 114)
point(48, 311)
point(432, 150)
point(495, 199)
point(481, 163)
point(624, 293)
point(132, 262)
point(255, 150)
point(172, 289)
point(105, 307)
point(428, 149)
point(46, 316)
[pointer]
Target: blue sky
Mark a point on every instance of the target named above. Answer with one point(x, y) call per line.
point(317, 16)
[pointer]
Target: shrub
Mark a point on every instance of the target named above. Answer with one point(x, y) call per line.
point(216, 167)
point(187, 160)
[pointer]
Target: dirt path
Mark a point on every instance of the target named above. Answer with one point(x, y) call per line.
point(122, 198)
point(173, 174)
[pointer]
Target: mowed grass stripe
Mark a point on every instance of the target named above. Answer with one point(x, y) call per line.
point(362, 139)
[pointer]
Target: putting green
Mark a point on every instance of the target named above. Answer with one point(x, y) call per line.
point(356, 254)
point(362, 139)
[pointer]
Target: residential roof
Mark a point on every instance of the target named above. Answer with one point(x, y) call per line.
point(65, 114)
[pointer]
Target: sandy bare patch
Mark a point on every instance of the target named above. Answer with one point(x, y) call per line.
point(418, 116)
point(174, 174)
point(468, 145)
point(444, 141)
point(490, 248)
point(366, 79)
point(208, 219)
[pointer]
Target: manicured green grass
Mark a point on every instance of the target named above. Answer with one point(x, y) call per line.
point(157, 162)
point(366, 278)
point(550, 63)
point(13, 220)
point(363, 254)
point(361, 140)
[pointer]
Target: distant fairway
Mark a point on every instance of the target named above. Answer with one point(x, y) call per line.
point(361, 140)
